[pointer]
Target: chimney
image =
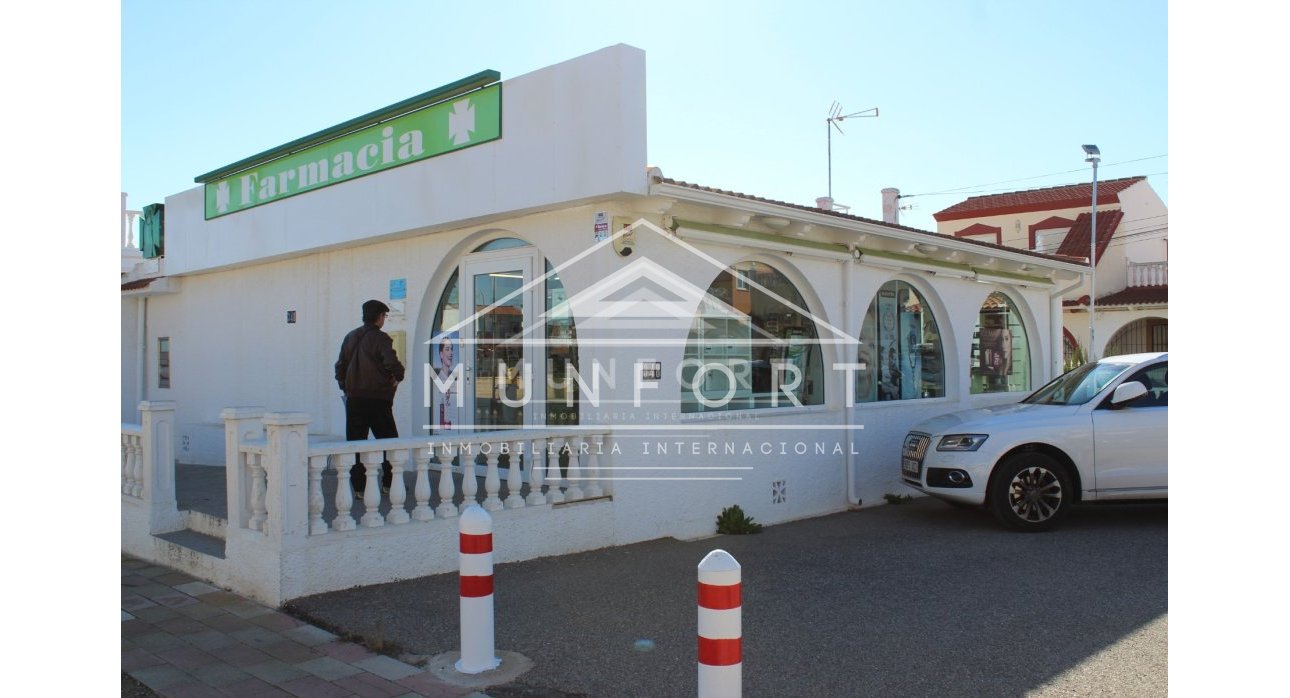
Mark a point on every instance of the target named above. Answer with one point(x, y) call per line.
point(891, 205)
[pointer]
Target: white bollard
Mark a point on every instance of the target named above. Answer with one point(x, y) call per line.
point(720, 626)
point(476, 559)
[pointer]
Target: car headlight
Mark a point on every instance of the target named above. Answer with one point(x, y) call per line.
point(961, 442)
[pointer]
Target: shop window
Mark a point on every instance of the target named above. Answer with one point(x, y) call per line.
point(900, 348)
point(1000, 352)
point(752, 345)
point(163, 362)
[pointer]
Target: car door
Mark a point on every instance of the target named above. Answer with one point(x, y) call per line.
point(1131, 441)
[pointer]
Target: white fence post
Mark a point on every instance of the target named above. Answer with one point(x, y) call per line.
point(286, 464)
point(536, 474)
point(593, 465)
point(372, 463)
point(492, 483)
point(398, 490)
point(317, 526)
point(720, 626)
point(476, 559)
point(574, 475)
point(240, 424)
point(421, 490)
point(158, 473)
point(553, 492)
point(513, 479)
point(447, 490)
point(132, 451)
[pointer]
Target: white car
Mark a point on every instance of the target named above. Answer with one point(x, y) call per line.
point(1096, 433)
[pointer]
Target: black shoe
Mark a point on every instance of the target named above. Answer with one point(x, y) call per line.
point(385, 490)
point(358, 496)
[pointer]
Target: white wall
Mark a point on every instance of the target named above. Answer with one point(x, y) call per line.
point(570, 132)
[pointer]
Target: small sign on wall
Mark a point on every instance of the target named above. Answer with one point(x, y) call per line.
point(602, 226)
point(651, 370)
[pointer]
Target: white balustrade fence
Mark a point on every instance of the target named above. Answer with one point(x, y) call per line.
point(294, 524)
point(132, 460)
point(1148, 273)
point(148, 470)
point(518, 468)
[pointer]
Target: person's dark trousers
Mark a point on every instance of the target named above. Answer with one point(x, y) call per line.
point(364, 414)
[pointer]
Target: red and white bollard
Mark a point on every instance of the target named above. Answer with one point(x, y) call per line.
point(720, 626)
point(476, 559)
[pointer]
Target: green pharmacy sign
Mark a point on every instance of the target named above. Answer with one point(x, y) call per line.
point(371, 143)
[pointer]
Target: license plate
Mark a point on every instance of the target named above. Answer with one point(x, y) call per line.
point(909, 466)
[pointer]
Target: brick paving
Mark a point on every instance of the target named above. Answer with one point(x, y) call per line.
point(183, 637)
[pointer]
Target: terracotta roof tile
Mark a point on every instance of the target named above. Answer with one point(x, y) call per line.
point(1133, 295)
point(138, 284)
point(1076, 242)
point(1138, 295)
point(1050, 198)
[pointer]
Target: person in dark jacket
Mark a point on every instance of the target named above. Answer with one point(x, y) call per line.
point(368, 372)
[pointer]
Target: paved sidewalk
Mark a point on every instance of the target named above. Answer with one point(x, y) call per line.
point(184, 637)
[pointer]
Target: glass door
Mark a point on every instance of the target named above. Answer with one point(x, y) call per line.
point(499, 370)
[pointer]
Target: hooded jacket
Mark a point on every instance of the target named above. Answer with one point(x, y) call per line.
point(367, 366)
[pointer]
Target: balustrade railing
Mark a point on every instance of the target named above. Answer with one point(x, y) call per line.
point(148, 467)
point(132, 460)
point(518, 469)
point(1148, 273)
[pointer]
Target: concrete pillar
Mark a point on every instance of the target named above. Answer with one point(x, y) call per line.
point(158, 422)
point(241, 424)
point(286, 464)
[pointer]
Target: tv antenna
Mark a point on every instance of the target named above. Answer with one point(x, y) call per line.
point(836, 115)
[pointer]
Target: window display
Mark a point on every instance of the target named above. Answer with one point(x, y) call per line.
point(1000, 352)
point(900, 348)
point(752, 345)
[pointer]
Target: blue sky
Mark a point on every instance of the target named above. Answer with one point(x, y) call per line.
point(974, 97)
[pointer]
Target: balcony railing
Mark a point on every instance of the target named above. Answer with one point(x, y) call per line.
point(1148, 274)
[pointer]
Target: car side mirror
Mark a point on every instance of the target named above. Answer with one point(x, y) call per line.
point(1126, 392)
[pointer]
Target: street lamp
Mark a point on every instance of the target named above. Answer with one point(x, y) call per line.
point(1094, 156)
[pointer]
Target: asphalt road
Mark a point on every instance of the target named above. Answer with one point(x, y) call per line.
point(918, 599)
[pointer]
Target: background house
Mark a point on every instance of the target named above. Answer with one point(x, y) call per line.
point(1132, 255)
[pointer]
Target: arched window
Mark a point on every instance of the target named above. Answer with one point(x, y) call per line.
point(752, 345)
point(1000, 352)
point(900, 348)
point(1142, 335)
point(560, 349)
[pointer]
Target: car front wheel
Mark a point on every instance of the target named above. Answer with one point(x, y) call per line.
point(1030, 492)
